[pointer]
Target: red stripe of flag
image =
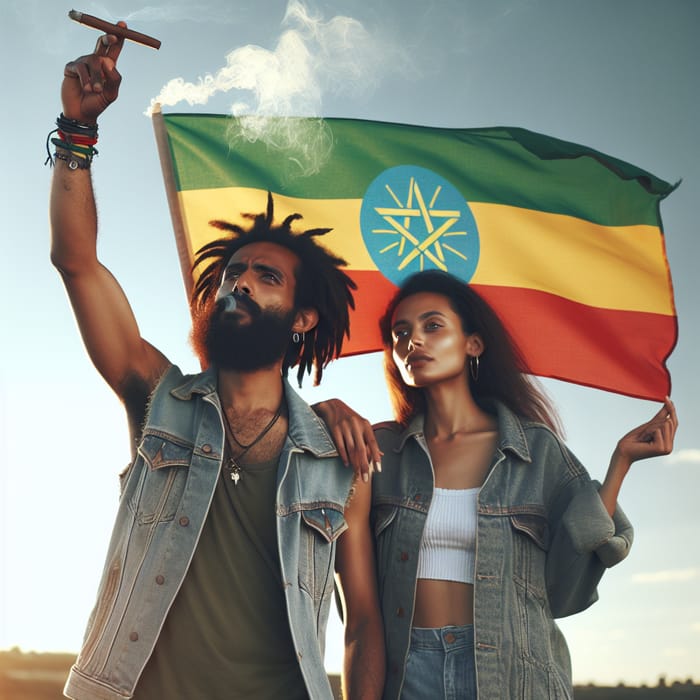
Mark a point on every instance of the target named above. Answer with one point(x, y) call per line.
point(555, 334)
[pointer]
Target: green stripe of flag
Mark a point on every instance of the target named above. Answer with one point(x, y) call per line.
point(500, 165)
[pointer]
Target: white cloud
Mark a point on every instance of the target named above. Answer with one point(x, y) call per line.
point(667, 576)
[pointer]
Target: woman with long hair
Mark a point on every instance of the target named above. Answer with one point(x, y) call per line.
point(487, 527)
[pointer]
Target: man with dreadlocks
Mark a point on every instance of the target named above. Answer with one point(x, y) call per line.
point(219, 573)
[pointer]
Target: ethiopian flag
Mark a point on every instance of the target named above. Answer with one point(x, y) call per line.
point(565, 242)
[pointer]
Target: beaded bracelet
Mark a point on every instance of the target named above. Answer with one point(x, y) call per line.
point(76, 139)
point(87, 151)
point(73, 126)
point(73, 161)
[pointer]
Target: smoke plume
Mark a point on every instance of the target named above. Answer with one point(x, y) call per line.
point(312, 57)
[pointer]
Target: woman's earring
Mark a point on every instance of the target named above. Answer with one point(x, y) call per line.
point(474, 367)
point(298, 338)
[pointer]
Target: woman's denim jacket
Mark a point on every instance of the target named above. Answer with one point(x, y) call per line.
point(165, 498)
point(544, 540)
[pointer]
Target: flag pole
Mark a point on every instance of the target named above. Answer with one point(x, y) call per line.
point(166, 164)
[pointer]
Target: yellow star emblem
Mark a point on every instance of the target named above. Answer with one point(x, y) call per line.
point(415, 212)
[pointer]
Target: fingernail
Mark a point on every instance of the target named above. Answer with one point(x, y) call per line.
point(365, 477)
point(378, 466)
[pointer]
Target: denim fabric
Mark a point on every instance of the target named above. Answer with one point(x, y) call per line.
point(166, 494)
point(440, 664)
point(544, 540)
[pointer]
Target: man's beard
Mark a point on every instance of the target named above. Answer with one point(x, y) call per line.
point(228, 344)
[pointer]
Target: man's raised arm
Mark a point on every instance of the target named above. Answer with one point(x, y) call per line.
point(129, 364)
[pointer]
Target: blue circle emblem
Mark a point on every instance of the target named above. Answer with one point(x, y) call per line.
point(413, 219)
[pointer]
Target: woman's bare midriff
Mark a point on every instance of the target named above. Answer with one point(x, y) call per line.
point(443, 603)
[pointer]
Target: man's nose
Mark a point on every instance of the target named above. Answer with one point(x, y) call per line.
point(242, 286)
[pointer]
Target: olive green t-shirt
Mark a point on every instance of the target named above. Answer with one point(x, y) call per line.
point(227, 635)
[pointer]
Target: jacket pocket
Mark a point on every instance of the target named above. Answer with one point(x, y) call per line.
point(530, 538)
point(545, 681)
point(534, 526)
point(161, 478)
point(327, 521)
point(382, 516)
point(320, 529)
point(383, 519)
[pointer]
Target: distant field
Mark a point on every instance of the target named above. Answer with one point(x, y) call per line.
point(30, 676)
point(33, 676)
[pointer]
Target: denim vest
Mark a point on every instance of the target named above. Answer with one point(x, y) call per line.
point(165, 498)
point(544, 540)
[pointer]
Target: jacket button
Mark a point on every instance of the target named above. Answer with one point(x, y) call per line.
point(160, 579)
point(206, 448)
point(399, 612)
point(184, 521)
point(404, 556)
point(134, 636)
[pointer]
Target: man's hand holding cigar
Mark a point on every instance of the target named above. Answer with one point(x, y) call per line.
point(91, 82)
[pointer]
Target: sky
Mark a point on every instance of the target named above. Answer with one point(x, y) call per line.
point(620, 77)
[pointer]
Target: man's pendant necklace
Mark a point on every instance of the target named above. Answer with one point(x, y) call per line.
point(232, 466)
point(234, 471)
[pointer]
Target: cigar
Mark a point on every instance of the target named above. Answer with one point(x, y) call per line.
point(109, 28)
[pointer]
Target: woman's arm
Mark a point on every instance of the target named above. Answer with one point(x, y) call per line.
point(589, 531)
point(364, 662)
point(650, 439)
point(353, 437)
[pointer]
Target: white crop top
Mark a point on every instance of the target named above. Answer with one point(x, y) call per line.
point(448, 548)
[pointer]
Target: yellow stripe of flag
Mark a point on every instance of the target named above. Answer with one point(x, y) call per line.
point(520, 247)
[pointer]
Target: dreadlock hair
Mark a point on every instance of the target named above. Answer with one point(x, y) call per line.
point(503, 371)
point(320, 284)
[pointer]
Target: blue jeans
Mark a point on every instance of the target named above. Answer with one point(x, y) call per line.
point(440, 664)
